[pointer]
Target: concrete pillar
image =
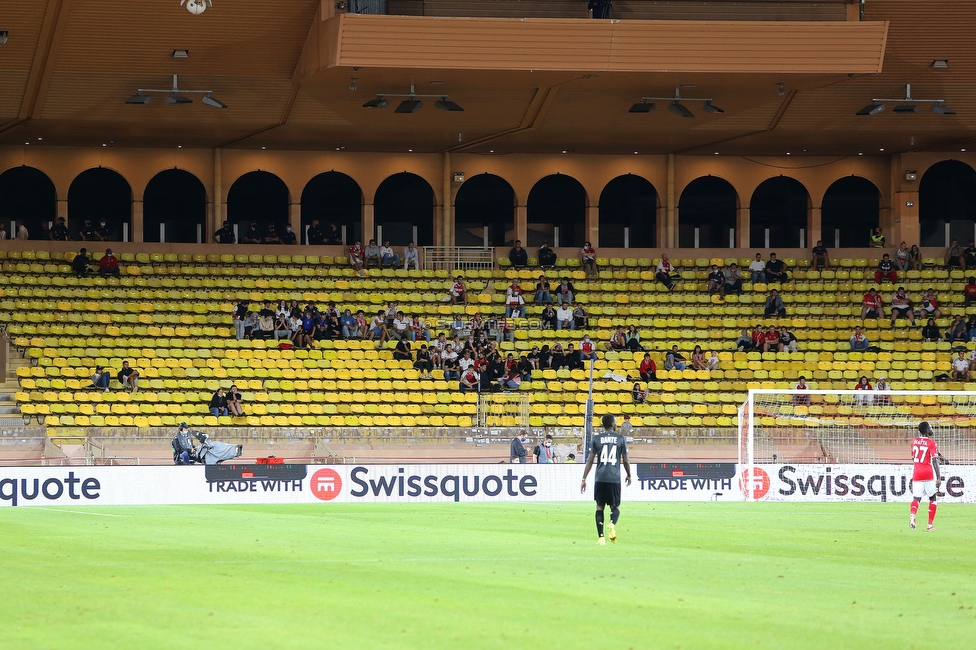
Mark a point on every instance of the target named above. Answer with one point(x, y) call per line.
point(446, 224)
point(295, 216)
point(906, 221)
point(743, 228)
point(592, 228)
point(671, 210)
point(215, 216)
point(521, 223)
point(814, 226)
point(63, 209)
point(369, 230)
point(136, 229)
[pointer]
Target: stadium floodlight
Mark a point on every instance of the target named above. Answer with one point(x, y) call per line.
point(446, 105)
point(139, 98)
point(906, 104)
point(942, 109)
point(173, 98)
point(209, 100)
point(871, 109)
point(412, 102)
point(409, 106)
point(905, 108)
point(709, 107)
point(379, 102)
point(646, 104)
point(680, 109)
point(642, 107)
point(174, 95)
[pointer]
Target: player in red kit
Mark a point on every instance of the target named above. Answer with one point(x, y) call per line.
point(926, 478)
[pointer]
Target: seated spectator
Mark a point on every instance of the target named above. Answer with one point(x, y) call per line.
point(564, 292)
point(901, 257)
point(774, 305)
point(872, 305)
point(218, 403)
point(666, 273)
point(787, 341)
point(864, 385)
point(930, 304)
point(882, 386)
point(821, 260)
point(733, 279)
point(588, 259)
point(564, 317)
point(970, 253)
point(618, 340)
point(100, 378)
point(251, 235)
point(957, 330)
point(633, 339)
point(960, 367)
point(348, 324)
point(518, 256)
point(79, 265)
point(543, 293)
point(859, 342)
point(411, 255)
point(914, 258)
point(264, 328)
point(886, 270)
point(548, 318)
point(674, 360)
point(271, 234)
point(587, 349)
point(698, 359)
point(457, 327)
point(470, 379)
point(757, 268)
point(647, 368)
point(970, 291)
point(87, 231)
point(930, 332)
point(513, 300)
point(758, 339)
point(713, 361)
point(109, 264)
point(235, 401)
point(971, 328)
point(357, 256)
point(581, 318)
point(295, 324)
point(423, 363)
point(402, 351)
point(103, 232)
point(955, 256)
point(512, 379)
point(716, 281)
point(801, 400)
point(59, 231)
point(129, 377)
point(877, 239)
point(377, 329)
point(3, 231)
point(744, 343)
point(281, 328)
point(459, 291)
point(419, 330)
point(533, 357)
point(771, 340)
point(547, 256)
point(557, 357)
point(401, 327)
point(371, 254)
point(288, 237)
point(776, 269)
point(449, 363)
point(387, 256)
point(637, 394)
point(573, 361)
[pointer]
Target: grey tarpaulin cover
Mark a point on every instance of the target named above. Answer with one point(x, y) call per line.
point(211, 452)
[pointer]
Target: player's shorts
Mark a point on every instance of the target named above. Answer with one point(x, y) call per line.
point(607, 494)
point(922, 489)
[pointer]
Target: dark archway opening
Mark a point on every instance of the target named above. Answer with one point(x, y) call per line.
point(778, 214)
point(556, 212)
point(485, 203)
point(174, 208)
point(706, 214)
point(258, 197)
point(404, 210)
point(628, 213)
point(28, 195)
point(850, 213)
point(336, 199)
point(100, 194)
point(947, 196)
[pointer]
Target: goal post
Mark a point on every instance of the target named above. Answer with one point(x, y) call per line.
point(850, 426)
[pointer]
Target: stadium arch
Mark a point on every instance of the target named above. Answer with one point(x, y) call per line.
point(403, 211)
point(485, 201)
point(333, 197)
point(850, 209)
point(28, 194)
point(101, 192)
point(260, 197)
point(707, 211)
point(947, 204)
point(177, 200)
point(627, 212)
point(556, 201)
point(779, 214)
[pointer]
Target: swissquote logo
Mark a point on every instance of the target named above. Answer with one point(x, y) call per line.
point(755, 483)
point(326, 484)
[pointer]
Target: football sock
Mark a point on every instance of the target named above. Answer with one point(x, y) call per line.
point(932, 507)
point(914, 506)
point(614, 515)
point(599, 523)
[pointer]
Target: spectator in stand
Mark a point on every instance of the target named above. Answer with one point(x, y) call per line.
point(665, 272)
point(886, 270)
point(252, 235)
point(87, 231)
point(744, 343)
point(930, 332)
point(470, 379)
point(401, 327)
point(970, 292)
point(882, 386)
point(557, 357)
point(288, 237)
point(547, 256)
point(387, 256)
point(771, 343)
point(901, 307)
point(265, 326)
point(533, 357)
point(647, 368)
point(423, 363)
point(348, 325)
point(698, 359)
point(564, 317)
point(411, 255)
point(357, 256)
point(282, 330)
point(514, 300)
point(240, 315)
point(960, 367)
point(377, 329)
point(402, 351)
point(955, 256)
point(548, 318)
point(543, 292)
point(314, 235)
point(22, 232)
point(235, 401)
point(674, 360)
point(957, 330)
point(564, 292)
point(3, 231)
point(271, 234)
point(588, 258)
point(914, 258)
point(59, 231)
point(518, 256)
point(971, 328)
point(787, 341)
point(449, 363)
point(102, 232)
point(733, 279)
point(79, 265)
point(776, 269)
point(877, 239)
point(801, 400)
point(109, 264)
point(581, 318)
point(970, 253)
point(774, 305)
point(100, 378)
point(618, 341)
point(758, 269)
point(759, 339)
point(716, 281)
point(713, 361)
point(512, 379)
point(297, 330)
point(588, 349)
point(218, 403)
point(633, 339)
point(459, 291)
point(859, 342)
point(872, 306)
point(573, 361)
point(901, 257)
point(864, 385)
point(371, 254)
point(129, 377)
point(637, 394)
point(333, 235)
point(930, 304)
point(419, 330)
point(820, 257)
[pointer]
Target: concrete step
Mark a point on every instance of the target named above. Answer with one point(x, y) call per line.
point(6, 421)
point(9, 409)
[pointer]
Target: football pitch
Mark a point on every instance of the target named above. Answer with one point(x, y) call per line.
point(704, 575)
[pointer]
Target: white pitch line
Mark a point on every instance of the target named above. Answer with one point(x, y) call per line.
point(79, 512)
point(340, 561)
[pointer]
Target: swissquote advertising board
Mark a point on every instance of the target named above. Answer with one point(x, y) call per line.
point(269, 484)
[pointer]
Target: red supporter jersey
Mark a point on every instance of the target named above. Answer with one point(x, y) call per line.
point(923, 451)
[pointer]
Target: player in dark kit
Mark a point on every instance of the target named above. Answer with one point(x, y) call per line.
point(609, 451)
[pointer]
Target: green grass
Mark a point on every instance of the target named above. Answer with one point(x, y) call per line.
point(486, 576)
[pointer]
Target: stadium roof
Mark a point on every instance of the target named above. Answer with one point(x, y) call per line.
point(68, 67)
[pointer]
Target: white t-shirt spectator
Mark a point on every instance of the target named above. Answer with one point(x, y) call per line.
point(960, 365)
point(665, 267)
point(410, 254)
point(564, 313)
point(713, 362)
point(449, 355)
point(401, 325)
point(465, 363)
point(757, 266)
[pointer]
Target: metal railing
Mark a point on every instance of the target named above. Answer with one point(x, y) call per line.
point(459, 258)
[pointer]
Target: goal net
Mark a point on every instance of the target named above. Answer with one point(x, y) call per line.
point(850, 426)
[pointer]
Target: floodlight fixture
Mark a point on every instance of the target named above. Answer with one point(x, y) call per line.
point(447, 105)
point(173, 98)
point(412, 102)
point(379, 102)
point(708, 107)
point(871, 109)
point(642, 107)
point(409, 106)
point(906, 104)
point(905, 108)
point(680, 109)
point(940, 64)
point(209, 100)
point(942, 109)
point(174, 95)
point(139, 98)
point(646, 105)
